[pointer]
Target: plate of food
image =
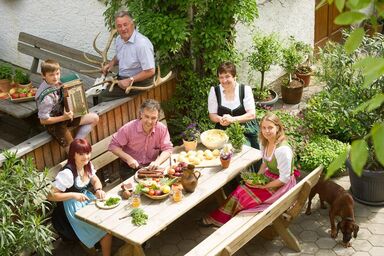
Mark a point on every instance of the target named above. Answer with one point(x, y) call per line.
point(22, 94)
point(199, 158)
point(156, 190)
point(111, 201)
point(251, 178)
point(145, 174)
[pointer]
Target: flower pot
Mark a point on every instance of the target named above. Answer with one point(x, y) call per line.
point(225, 162)
point(369, 187)
point(305, 77)
point(292, 93)
point(190, 145)
point(270, 102)
point(5, 85)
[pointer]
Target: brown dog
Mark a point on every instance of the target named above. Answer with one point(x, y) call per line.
point(341, 204)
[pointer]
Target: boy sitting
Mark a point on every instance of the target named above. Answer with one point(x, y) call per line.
point(51, 112)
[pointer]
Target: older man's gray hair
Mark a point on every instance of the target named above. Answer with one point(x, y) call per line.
point(150, 104)
point(121, 14)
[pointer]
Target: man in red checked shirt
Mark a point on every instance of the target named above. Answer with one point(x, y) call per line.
point(142, 142)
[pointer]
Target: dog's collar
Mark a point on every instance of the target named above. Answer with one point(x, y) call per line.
point(348, 218)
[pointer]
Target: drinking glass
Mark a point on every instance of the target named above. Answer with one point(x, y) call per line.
point(136, 201)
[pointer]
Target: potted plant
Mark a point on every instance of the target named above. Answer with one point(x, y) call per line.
point(304, 70)
point(21, 78)
point(24, 208)
point(5, 77)
point(236, 136)
point(190, 136)
point(266, 52)
point(226, 155)
point(292, 57)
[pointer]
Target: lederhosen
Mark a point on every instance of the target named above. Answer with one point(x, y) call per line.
point(58, 130)
point(250, 134)
point(59, 218)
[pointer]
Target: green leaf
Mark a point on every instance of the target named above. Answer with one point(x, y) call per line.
point(371, 104)
point(378, 141)
point(340, 5)
point(348, 18)
point(359, 155)
point(358, 4)
point(336, 164)
point(354, 40)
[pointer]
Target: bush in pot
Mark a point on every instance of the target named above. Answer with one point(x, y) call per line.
point(21, 78)
point(266, 52)
point(236, 136)
point(292, 56)
point(5, 77)
point(24, 209)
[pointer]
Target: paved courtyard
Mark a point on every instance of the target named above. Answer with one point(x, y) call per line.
point(312, 232)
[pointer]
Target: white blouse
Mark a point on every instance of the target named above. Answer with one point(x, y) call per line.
point(64, 179)
point(248, 101)
point(284, 157)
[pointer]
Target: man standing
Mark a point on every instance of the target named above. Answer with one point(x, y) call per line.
point(142, 142)
point(134, 55)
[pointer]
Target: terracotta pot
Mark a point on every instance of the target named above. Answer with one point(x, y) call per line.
point(292, 95)
point(5, 85)
point(305, 77)
point(225, 162)
point(190, 145)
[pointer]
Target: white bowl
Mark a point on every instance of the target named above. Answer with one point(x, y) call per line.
point(214, 138)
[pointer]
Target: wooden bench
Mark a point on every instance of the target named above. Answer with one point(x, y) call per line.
point(234, 234)
point(43, 49)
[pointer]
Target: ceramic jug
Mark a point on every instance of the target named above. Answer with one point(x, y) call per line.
point(189, 178)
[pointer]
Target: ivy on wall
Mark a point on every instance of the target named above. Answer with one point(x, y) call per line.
point(191, 37)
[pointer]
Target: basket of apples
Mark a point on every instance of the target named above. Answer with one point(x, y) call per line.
point(22, 94)
point(176, 170)
point(156, 189)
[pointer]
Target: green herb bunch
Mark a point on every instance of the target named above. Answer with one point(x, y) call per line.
point(112, 201)
point(236, 135)
point(254, 178)
point(139, 217)
point(21, 77)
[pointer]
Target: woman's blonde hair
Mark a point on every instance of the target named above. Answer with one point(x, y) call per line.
point(280, 136)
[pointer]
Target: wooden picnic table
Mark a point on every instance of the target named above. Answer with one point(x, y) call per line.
point(19, 110)
point(162, 213)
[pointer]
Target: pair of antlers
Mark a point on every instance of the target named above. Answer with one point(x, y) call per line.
point(112, 81)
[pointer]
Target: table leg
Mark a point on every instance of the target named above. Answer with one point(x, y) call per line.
point(129, 249)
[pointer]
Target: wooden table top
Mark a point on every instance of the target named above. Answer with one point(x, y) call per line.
point(162, 213)
point(18, 110)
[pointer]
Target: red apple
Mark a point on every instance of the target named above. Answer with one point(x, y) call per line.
point(15, 95)
point(22, 95)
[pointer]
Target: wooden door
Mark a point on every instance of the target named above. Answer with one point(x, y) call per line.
point(325, 28)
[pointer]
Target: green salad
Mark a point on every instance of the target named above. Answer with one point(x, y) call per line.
point(112, 201)
point(254, 178)
point(139, 217)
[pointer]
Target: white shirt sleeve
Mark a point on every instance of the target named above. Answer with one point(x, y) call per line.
point(63, 180)
point(93, 171)
point(212, 101)
point(249, 101)
point(284, 157)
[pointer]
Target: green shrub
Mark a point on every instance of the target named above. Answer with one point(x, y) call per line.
point(6, 71)
point(332, 111)
point(24, 209)
point(320, 150)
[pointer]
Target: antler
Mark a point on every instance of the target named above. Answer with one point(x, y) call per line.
point(103, 53)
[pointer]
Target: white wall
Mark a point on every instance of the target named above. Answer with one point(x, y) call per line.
point(285, 17)
point(73, 23)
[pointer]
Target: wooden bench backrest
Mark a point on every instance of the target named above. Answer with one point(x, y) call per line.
point(100, 157)
point(244, 226)
point(42, 49)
